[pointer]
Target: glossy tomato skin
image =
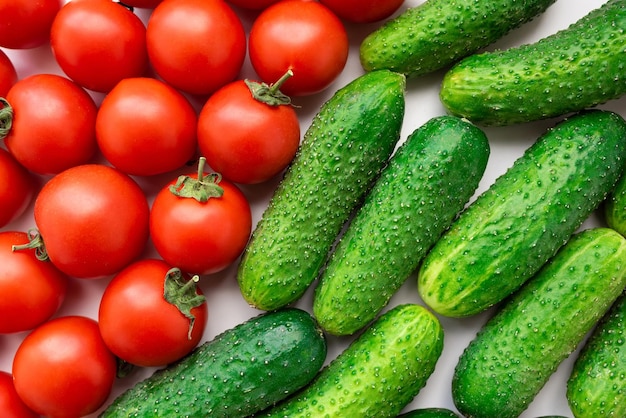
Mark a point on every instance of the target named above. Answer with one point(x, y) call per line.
point(196, 46)
point(146, 127)
point(26, 24)
point(63, 368)
point(10, 403)
point(250, 152)
point(301, 35)
point(93, 220)
point(54, 124)
point(16, 191)
point(363, 11)
point(253, 4)
point(97, 43)
point(139, 325)
point(8, 74)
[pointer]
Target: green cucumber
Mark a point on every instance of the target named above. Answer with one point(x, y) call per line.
point(615, 207)
point(426, 184)
point(502, 238)
point(242, 371)
point(597, 384)
point(438, 33)
point(514, 354)
point(347, 145)
point(378, 375)
point(570, 70)
point(430, 413)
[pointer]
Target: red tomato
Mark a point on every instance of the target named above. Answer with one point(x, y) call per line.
point(143, 328)
point(63, 368)
point(97, 43)
point(196, 45)
point(54, 124)
point(146, 127)
point(200, 237)
point(304, 36)
point(253, 4)
point(363, 11)
point(10, 403)
point(26, 23)
point(30, 304)
point(16, 190)
point(93, 220)
point(8, 74)
point(250, 152)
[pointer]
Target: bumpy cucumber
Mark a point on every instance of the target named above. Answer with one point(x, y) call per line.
point(430, 413)
point(502, 238)
point(573, 69)
point(597, 385)
point(427, 183)
point(438, 33)
point(615, 207)
point(343, 151)
point(378, 374)
point(242, 371)
point(517, 350)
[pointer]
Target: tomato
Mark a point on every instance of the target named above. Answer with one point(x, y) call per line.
point(93, 220)
point(146, 127)
point(200, 237)
point(304, 36)
point(63, 368)
point(10, 403)
point(253, 4)
point(17, 191)
point(26, 24)
point(54, 124)
point(97, 43)
point(8, 74)
point(363, 11)
point(140, 326)
point(250, 152)
point(196, 45)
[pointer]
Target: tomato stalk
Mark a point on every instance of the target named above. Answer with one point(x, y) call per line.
point(35, 242)
point(182, 294)
point(270, 93)
point(201, 188)
point(6, 118)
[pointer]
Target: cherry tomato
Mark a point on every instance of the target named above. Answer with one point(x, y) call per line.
point(250, 152)
point(146, 127)
point(8, 74)
point(26, 24)
point(97, 43)
point(63, 368)
point(363, 11)
point(304, 36)
point(16, 190)
point(200, 233)
point(253, 4)
point(54, 124)
point(140, 326)
point(10, 403)
point(93, 220)
point(196, 45)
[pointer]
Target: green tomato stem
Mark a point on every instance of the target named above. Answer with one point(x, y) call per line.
point(6, 118)
point(201, 188)
point(270, 94)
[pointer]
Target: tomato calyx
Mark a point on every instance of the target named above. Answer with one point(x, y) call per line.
point(182, 294)
point(270, 93)
point(6, 118)
point(35, 242)
point(201, 188)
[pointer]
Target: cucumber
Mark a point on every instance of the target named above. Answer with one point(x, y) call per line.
point(502, 238)
point(597, 384)
point(242, 371)
point(570, 70)
point(429, 413)
point(438, 33)
point(520, 347)
point(343, 151)
point(378, 374)
point(427, 183)
point(615, 207)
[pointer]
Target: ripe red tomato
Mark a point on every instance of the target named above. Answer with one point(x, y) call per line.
point(304, 36)
point(253, 4)
point(139, 325)
point(10, 403)
point(54, 124)
point(200, 237)
point(363, 11)
point(28, 304)
point(8, 74)
point(26, 23)
point(63, 368)
point(196, 45)
point(146, 127)
point(93, 220)
point(244, 139)
point(97, 43)
point(16, 191)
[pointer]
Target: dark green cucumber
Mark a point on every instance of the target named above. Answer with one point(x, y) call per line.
point(597, 384)
point(517, 350)
point(573, 69)
point(430, 413)
point(502, 238)
point(378, 375)
point(427, 183)
point(343, 151)
point(615, 207)
point(242, 371)
point(438, 33)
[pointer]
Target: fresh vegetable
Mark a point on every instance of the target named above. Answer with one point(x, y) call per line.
point(363, 11)
point(343, 151)
point(10, 403)
point(16, 194)
point(26, 24)
point(8, 74)
point(517, 350)
point(241, 372)
point(614, 210)
point(521, 220)
point(378, 374)
point(573, 69)
point(438, 33)
point(426, 184)
point(429, 413)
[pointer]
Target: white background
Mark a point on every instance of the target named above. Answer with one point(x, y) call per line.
point(226, 306)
